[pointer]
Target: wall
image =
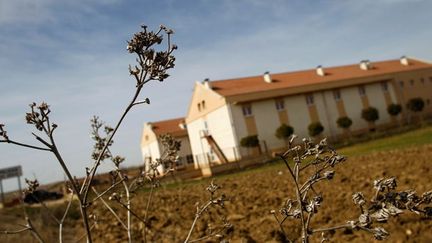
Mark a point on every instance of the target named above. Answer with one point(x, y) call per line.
point(197, 144)
point(418, 89)
point(325, 108)
point(220, 127)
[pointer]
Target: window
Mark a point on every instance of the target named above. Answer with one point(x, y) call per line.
point(247, 110)
point(199, 106)
point(280, 104)
point(211, 155)
point(362, 91)
point(336, 95)
point(412, 82)
point(309, 99)
point(384, 86)
point(422, 80)
point(179, 163)
point(189, 159)
point(401, 84)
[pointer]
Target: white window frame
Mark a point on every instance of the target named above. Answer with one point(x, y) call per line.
point(362, 91)
point(384, 87)
point(247, 110)
point(310, 99)
point(280, 104)
point(337, 95)
point(412, 82)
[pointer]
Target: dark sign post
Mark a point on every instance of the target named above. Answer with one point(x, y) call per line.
point(6, 173)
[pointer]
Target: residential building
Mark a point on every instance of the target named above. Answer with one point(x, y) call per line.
point(221, 113)
point(151, 147)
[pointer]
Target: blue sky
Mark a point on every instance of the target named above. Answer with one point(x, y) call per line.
point(72, 54)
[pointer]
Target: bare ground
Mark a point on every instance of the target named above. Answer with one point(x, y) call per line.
point(252, 195)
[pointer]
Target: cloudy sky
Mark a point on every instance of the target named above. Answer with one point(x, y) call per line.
point(72, 54)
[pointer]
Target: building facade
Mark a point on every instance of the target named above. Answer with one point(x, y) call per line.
point(221, 113)
point(151, 147)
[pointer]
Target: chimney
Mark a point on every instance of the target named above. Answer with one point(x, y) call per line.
point(267, 77)
point(404, 61)
point(320, 71)
point(182, 125)
point(206, 83)
point(365, 65)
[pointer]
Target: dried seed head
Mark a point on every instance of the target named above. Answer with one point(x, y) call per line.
point(32, 185)
point(296, 213)
point(381, 215)
point(427, 197)
point(114, 197)
point(212, 188)
point(380, 233)
point(293, 137)
point(364, 220)
point(358, 198)
point(329, 174)
point(352, 224)
point(43, 107)
point(428, 211)
point(3, 132)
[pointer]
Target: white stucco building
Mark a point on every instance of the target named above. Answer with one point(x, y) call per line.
point(151, 147)
point(222, 112)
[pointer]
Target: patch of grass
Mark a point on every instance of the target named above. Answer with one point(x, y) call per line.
point(417, 137)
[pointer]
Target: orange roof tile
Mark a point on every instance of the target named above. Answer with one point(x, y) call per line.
point(256, 84)
point(169, 126)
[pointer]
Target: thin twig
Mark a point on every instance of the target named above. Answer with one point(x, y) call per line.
point(343, 226)
point(84, 235)
point(33, 231)
point(299, 198)
point(64, 218)
point(146, 212)
point(197, 215)
point(110, 209)
point(128, 206)
point(106, 191)
point(208, 236)
point(131, 211)
point(280, 225)
point(10, 232)
point(25, 145)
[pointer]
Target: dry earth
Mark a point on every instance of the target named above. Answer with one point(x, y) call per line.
point(254, 193)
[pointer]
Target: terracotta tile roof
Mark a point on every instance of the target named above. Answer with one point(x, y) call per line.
point(169, 126)
point(256, 84)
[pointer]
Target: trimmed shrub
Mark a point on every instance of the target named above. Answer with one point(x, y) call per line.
point(394, 109)
point(250, 141)
point(370, 114)
point(315, 129)
point(284, 131)
point(344, 122)
point(415, 104)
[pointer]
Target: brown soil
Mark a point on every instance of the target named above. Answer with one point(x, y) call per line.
point(254, 193)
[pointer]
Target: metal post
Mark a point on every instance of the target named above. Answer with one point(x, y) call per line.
point(1, 192)
point(19, 184)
